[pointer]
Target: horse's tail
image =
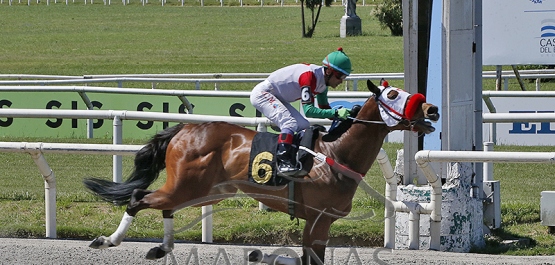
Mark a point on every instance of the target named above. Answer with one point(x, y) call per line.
point(149, 161)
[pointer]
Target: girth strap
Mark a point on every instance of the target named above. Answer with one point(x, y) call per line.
point(291, 201)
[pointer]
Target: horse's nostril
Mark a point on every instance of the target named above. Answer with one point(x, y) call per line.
point(432, 110)
point(432, 113)
point(433, 116)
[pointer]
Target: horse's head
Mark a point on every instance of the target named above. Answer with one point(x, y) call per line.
point(403, 111)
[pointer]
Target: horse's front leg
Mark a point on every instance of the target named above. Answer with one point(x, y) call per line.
point(315, 239)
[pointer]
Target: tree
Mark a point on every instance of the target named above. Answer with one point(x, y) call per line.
point(390, 15)
point(311, 4)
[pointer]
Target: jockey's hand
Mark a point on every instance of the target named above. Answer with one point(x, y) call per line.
point(342, 113)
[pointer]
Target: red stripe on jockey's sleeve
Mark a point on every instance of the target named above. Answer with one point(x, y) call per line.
point(308, 79)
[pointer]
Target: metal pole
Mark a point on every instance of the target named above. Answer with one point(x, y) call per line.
point(117, 159)
point(49, 192)
point(478, 112)
point(498, 79)
point(488, 167)
point(207, 224)
point(89, 105)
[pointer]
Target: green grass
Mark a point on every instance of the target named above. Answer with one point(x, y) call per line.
point(521, 185)
point(95, 39)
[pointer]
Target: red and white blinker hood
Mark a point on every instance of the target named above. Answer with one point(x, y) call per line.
point(396, 106)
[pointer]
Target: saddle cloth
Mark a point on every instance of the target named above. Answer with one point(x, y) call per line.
point(262, 161)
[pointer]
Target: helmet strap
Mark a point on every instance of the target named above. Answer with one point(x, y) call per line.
point(328, 72)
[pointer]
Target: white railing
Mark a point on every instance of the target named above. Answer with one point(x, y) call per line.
point(117, 149)
point(433, 207)
point(216, 78)
point(37, 149)
point(196, 79)
point(493, 117)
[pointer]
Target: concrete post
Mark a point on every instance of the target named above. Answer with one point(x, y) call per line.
point(351, 24)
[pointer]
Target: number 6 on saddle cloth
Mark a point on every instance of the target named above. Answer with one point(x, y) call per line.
point(262, 161)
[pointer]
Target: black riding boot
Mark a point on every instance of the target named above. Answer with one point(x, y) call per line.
point(287, 160)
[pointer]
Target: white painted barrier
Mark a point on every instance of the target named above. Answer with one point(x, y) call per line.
point(117, 149)
point(423, 159)
point(198, 81)
point(246, 77)
point(37, 149)
point(392, 205)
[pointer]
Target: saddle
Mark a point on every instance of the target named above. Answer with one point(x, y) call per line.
point(262, 161)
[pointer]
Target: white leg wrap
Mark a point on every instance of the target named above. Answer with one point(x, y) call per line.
point(167, 243)
point(118, 236)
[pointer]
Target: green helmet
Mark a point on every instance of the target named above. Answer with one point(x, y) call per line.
point(339, 61)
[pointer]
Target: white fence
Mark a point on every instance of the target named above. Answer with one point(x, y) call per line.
point(117, 149)
point(351, 82)
point(37, 149)
point(144, 2)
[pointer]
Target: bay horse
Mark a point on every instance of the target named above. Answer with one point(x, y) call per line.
point(208, 162)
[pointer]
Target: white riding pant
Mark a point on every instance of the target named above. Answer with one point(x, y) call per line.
point(279, 111)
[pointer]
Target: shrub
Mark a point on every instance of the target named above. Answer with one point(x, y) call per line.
point(390, 15)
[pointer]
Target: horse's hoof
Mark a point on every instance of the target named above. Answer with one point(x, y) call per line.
point(101, 242)
point(256, 256)
point(155, 253)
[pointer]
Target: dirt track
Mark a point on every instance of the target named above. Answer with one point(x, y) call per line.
point(46, 251)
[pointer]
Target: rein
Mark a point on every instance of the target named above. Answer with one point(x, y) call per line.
point(410, 123)
point(365, 121)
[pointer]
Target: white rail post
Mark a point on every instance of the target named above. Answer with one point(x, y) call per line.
point(414, 229)
point(207, 224)
point(390, 198)
point(49, 192)
point(488, 166)
point(89, 105)
point(117, 139)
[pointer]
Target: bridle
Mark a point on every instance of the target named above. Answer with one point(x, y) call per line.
point(390, 111)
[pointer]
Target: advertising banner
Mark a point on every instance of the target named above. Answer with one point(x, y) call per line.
point(522, 133)
point(54, 127)
point(518, 32)
point(77, 128)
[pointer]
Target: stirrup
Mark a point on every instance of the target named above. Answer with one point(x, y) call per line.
point(288, 170)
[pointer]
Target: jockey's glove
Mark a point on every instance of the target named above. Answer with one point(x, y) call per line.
point(342, 113)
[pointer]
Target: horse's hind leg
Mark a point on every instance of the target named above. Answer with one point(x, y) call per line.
point(168, 242)
point(117, 237)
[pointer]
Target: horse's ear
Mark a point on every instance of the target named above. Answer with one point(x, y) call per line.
point(373, 88)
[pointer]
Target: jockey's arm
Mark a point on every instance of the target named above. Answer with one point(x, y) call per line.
point(313, 112)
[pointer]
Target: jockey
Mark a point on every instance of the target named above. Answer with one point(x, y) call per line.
point(273, 97)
